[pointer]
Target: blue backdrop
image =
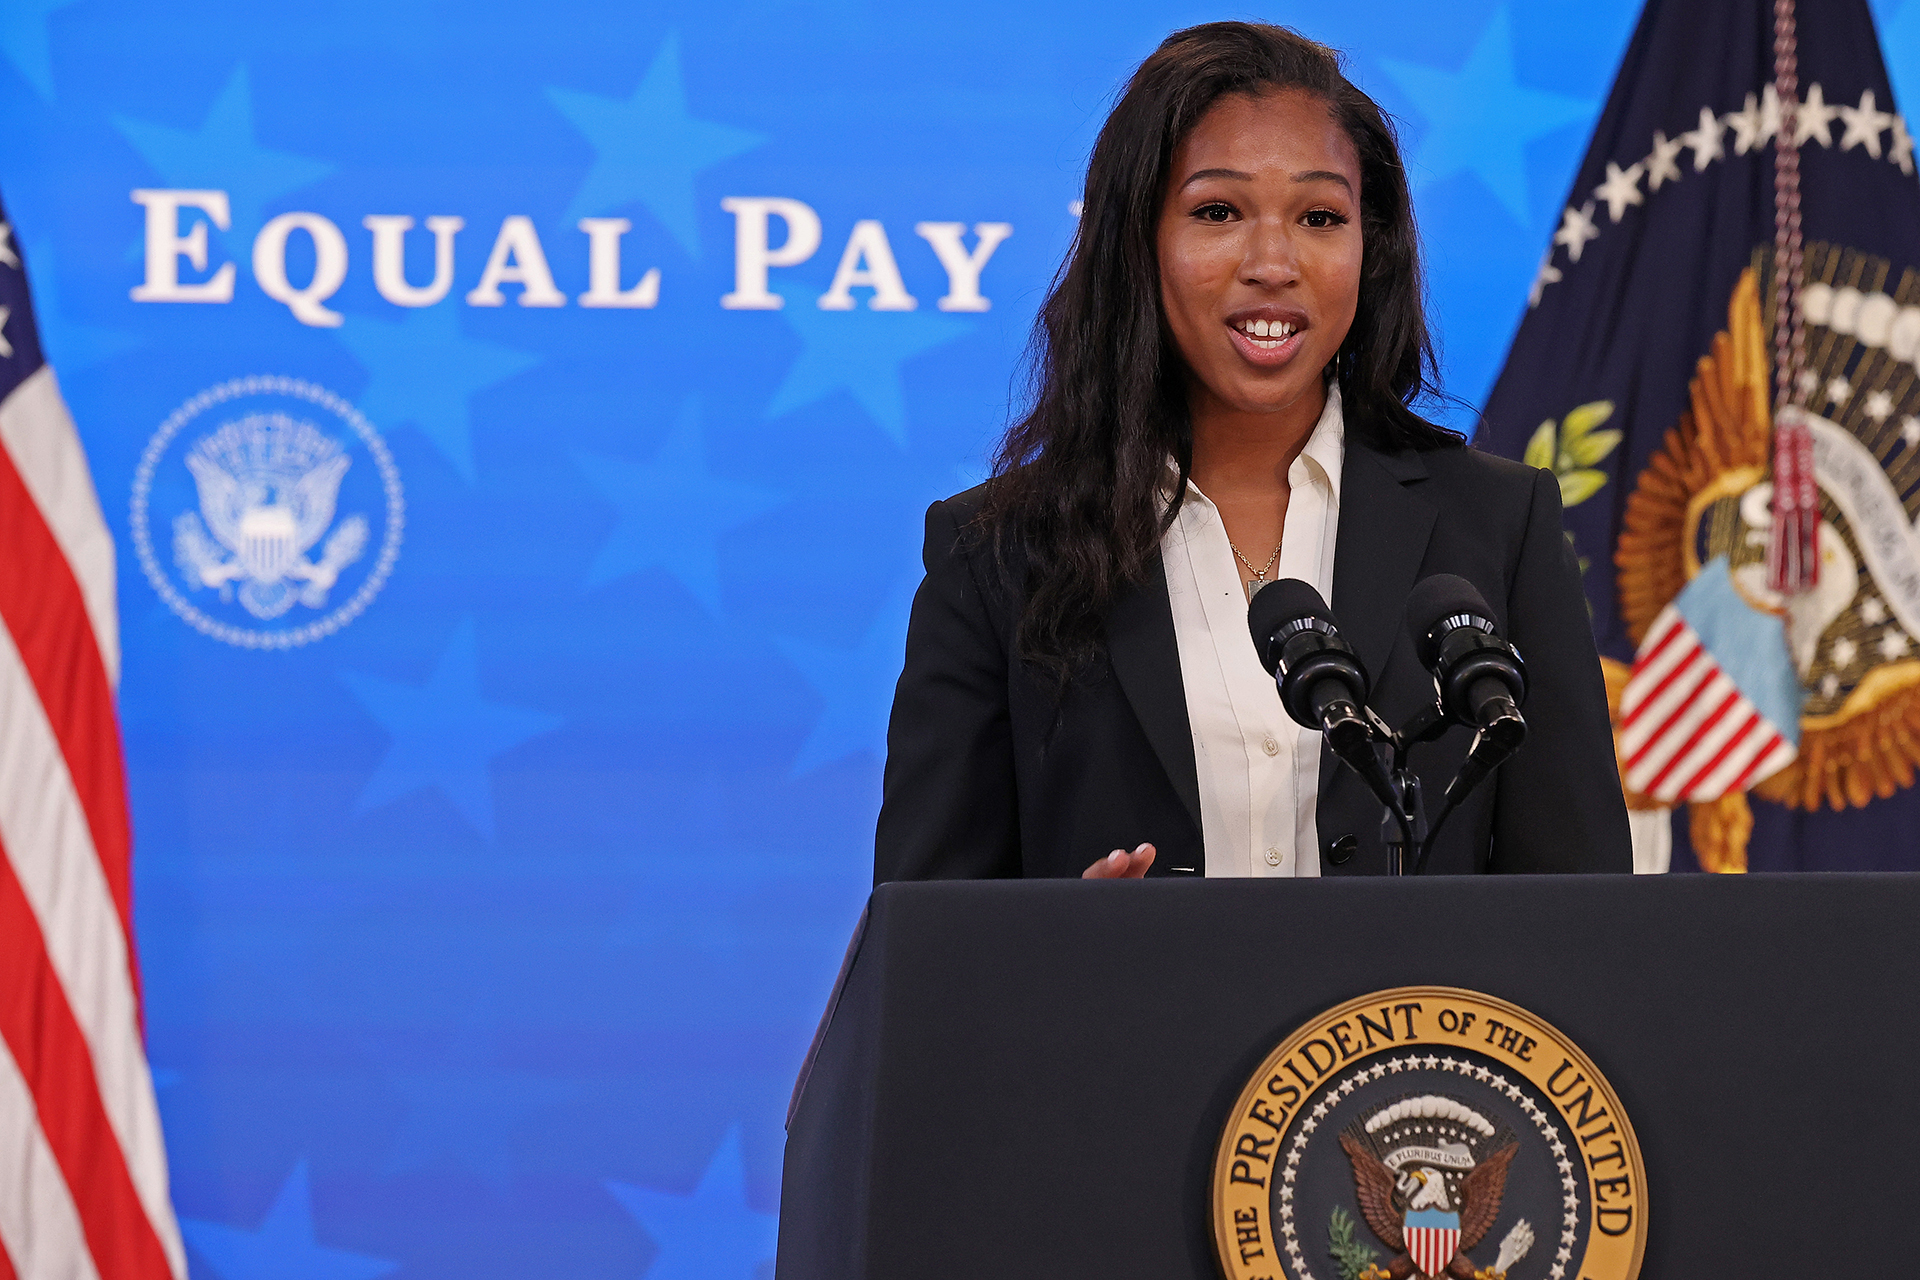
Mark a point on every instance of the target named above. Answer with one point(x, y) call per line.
point(500, 815)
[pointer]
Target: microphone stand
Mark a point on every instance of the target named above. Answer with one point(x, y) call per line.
point(1409, 825)
point(1403, 820)
point(1403, 826)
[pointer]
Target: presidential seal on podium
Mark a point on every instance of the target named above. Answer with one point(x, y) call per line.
point(1428, 1132)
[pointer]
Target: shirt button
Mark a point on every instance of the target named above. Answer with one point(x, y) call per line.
point(1271, 747)
point(1273, 855)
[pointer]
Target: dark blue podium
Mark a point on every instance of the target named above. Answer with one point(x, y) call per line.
point(1029, 1079)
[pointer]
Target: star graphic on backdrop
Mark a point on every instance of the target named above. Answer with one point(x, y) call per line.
point(467, 1118)
point(69, 344)
point(672, 511)
point(1622, 188)
point(6, 348)
point(24, 40)
point(282, 1247)
point(1661, 162)
point(1873, 611)
point(1839, 391)
point(1893, 645)
point(1910, 430)
point(710, 1234)
point(1864, 124)
point(1844, 652)
point(1576, 228)
point(1814, 118)
point(424, 371)
point(860, 352)
point(8, 256)
point(1706, 140)
point(1879, 406)
point(444, 733)
point(1479, 119)
point(222, 154)
point(649, 149)
point(856, 684)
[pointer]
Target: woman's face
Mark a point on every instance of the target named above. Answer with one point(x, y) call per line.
point(1259, 243)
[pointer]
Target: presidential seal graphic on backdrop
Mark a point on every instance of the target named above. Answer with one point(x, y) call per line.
point(267, 512)
point(1431, 1133)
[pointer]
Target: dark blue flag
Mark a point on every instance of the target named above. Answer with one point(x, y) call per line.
point(1642, 375)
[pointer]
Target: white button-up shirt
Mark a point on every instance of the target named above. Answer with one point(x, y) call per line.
point(1259, 771)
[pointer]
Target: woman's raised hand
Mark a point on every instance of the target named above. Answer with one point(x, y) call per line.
point(1121, 865)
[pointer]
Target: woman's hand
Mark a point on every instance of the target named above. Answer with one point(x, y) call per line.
point(1121, 865)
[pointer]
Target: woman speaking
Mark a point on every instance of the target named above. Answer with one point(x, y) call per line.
point(1223, 374)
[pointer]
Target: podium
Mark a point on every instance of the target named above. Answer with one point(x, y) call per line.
point(1030, 1079)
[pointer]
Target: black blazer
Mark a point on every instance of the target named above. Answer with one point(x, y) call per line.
point(991, 773)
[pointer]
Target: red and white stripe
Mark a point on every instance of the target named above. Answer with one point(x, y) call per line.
point(1686, 731)
point(1432, 1248)
point(83, 1173)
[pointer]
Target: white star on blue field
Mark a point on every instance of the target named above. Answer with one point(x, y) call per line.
point(860, 352)
point(424, 371)
point(282, 1247)
point(649, 149)
point(672, 511)
point(711, 1234)
point(1480, 119)
point(24, 40)
point(222, 155)
point(855, 683)
point(445, 734)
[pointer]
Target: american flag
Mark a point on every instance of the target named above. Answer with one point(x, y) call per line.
point(1713, 702)
point(83, 1172)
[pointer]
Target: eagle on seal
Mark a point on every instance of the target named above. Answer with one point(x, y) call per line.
point(1384, 1204)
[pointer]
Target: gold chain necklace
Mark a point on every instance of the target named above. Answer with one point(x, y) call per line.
point(1259, 575)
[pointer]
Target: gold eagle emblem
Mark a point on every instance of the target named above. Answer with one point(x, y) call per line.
point(1705, 493)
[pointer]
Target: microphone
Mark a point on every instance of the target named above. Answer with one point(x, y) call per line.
point(1480, 677)
point(1322, 684)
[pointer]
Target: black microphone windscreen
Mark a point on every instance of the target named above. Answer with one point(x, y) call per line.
point(1278, 603)
point(1444, 595)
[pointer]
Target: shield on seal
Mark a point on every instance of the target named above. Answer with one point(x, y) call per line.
point(1432, 1239)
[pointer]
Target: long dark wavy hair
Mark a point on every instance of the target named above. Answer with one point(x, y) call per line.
point(1078, 482)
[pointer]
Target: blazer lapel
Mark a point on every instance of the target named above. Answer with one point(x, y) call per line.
point(1385, 522)
point(1146, 661)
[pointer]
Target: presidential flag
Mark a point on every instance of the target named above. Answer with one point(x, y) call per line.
point(83, 1173)
point(1778, 720)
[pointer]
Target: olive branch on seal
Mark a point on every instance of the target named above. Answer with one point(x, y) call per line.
point(1353, 1258)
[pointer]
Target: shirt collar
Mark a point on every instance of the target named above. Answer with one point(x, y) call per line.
point(1325, 451)
point(1327, 446)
